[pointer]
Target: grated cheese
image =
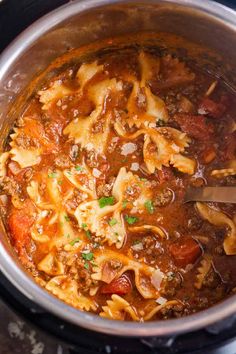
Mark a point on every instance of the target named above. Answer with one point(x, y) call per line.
point(134, 166)
point(161, 300)
point(96, 173)
point(156, 279)
point(128, 149)
point(137, 247)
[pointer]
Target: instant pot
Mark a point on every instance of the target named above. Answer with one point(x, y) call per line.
point(75, 24)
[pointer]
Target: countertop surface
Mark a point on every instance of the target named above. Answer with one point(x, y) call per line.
point(19, 337)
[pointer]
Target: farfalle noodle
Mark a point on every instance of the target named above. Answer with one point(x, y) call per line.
point(67, 290)
point(117, 308)
point(143, 273)
point(218, 218)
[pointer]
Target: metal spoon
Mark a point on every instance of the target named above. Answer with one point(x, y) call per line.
point(211, 194)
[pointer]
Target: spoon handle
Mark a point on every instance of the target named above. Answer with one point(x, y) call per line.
point(211, 194)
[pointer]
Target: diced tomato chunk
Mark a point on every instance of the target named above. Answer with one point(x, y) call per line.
point(20, 221)
point(119, 286)
point(213, 109)
point(196, 126)
point(208, 155)
point(185, 251)
point(35, 130)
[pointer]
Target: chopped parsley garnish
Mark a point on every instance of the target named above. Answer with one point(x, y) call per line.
point(104, 201)
point(52, 175)
point(79, 168)
point(149, 206)
point(88, 234)
point(112, 222)
point(86, 265)
point(60, 183)
point(67, 218)
point(69, 173)
point(68, 235)
point(143, 179)
point(131, 219)
point(87, 256)
point(73, 242)
point(124, 204)
point(136, 242)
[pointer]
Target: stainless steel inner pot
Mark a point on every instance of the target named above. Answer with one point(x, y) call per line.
point(82, 22)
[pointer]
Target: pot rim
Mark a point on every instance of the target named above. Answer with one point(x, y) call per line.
point(23, 282)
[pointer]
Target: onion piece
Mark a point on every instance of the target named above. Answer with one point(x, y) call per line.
point(144, 228)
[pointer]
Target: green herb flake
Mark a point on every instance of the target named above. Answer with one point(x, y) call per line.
point(112, 222)
point(104, 201)
point(136, 242)
point(79, 168)
point(67, 218)
point(124, 204)
point(87, 256)
point(131, 219)
point(88, 234)
point(52, 175)
point(60, 183)
point(86, 265)
point(73, 242)
point(68, 235)
point(69, 173)
point(143, 179)
point(149, 206)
